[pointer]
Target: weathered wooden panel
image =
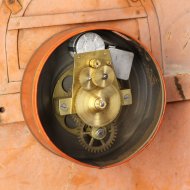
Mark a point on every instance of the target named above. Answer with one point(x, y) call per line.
point(164, 165)
point(144, 35)
point(4, 17)
point(12, 108)
point(14, 71)
point(178, 87)
point(154, 30)
point(177, 42)
point(75, 18)
point(41, 7)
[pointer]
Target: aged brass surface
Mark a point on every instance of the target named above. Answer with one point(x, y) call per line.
point(60, 95)
point(85, 104)
point(96, 97)
point(85, 78)
point(93, 59)
point(65, 106)
point(95, 63)
point(126, 97)
point(88, 105)
point(103, 76)
point(97, 104)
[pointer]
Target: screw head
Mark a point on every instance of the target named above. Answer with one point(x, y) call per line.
point(108, 62)
point(101, 132)
point(126, 97)
point(64, 107)
point(105, 76)
point(89, 78)
point(100, 104)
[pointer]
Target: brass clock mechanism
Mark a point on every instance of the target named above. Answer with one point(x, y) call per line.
point(90, 106)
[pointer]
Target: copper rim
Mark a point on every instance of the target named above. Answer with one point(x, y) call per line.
point(29, 90)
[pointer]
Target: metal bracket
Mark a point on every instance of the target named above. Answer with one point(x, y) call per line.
point(65, 106)
point(126, 97)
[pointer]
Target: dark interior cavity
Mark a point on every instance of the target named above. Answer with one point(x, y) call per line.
point(136, 123)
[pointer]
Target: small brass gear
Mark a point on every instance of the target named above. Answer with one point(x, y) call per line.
point(87, 110)
point(95, 144)
point(85, 78)
point(103, 76)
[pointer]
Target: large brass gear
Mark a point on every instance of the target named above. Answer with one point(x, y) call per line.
point(98, 107)
point(94, 144)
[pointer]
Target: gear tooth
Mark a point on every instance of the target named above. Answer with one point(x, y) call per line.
point(87, 148)
point(93, 151)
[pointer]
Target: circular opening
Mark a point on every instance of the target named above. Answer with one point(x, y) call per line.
point(70, 122)
point(67, 83)
point(136, 123)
